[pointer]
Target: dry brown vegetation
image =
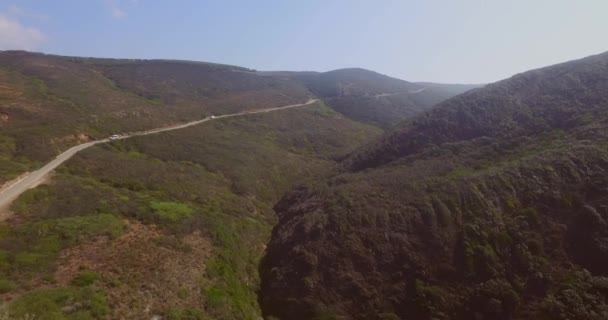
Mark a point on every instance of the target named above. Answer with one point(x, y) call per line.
point(141, 272)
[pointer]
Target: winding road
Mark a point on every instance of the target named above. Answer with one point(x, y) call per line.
point(33, 179)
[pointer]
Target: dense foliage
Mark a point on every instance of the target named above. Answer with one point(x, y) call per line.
point(490, 206)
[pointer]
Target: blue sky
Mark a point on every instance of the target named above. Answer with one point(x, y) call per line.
point(458, 41)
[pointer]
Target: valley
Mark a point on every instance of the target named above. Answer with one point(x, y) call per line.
point(156, 222)
point(303, 160)
point(226, 196)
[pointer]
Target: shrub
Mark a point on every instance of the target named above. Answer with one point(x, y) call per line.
point(30, 260)
point(511, 203)
point(72, 228)
point(61, 303)
point(172, 211)
point(6, 286)
point(531, 215)
point(84, 279)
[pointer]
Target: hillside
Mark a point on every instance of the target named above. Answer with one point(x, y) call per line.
point(48, 103)
point(490, 206)
point(373, 98)
point(172, 224)
point(562, 97)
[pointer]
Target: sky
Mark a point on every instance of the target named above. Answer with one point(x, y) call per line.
point(450, 41)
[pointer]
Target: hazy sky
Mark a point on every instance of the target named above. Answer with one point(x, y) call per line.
point(464, 41)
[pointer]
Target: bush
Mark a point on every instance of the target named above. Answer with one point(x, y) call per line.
point(6, 286)
point(172, 211)
point(84, 279)
point(61, 303)
point(72, 228)
point(531, 215)
point(30, 261)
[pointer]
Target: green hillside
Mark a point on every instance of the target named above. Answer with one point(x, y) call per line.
point(490, 206)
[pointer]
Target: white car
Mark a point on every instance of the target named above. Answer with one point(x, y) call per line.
point(114, 137)
point(212, 117)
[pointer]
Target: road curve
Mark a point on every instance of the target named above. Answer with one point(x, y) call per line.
point(10, 193)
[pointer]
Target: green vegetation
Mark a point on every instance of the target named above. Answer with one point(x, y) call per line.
point(84, 279)
point(6, 286)
point(220, 185)
point(61, 304)
point(490, 206)
point(93, 98)
point(185, 314)
point(35, 246)
point(208, 189)
point(171, 211)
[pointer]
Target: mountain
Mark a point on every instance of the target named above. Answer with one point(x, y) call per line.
point(491, 205)
point(49, 102)
point(374, 98)
point(171, 224)
point(558, 98)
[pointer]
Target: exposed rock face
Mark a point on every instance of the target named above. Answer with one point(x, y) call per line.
point(491, 206)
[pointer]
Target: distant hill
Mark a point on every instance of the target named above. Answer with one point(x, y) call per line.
point(374, 98)
point(555, 98)
point(492, 205)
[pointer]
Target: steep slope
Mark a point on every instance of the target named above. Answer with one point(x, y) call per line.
point(564, 97)
point(490, 206)
point(374, 98)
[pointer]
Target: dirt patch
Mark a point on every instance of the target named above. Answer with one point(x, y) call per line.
point(143, 272)
point(84, 137)
point(78, 137)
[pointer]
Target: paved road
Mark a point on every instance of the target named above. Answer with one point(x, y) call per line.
point(35, 178)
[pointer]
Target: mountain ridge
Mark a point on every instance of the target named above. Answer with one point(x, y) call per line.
point(71, 100)
point(491, 205)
